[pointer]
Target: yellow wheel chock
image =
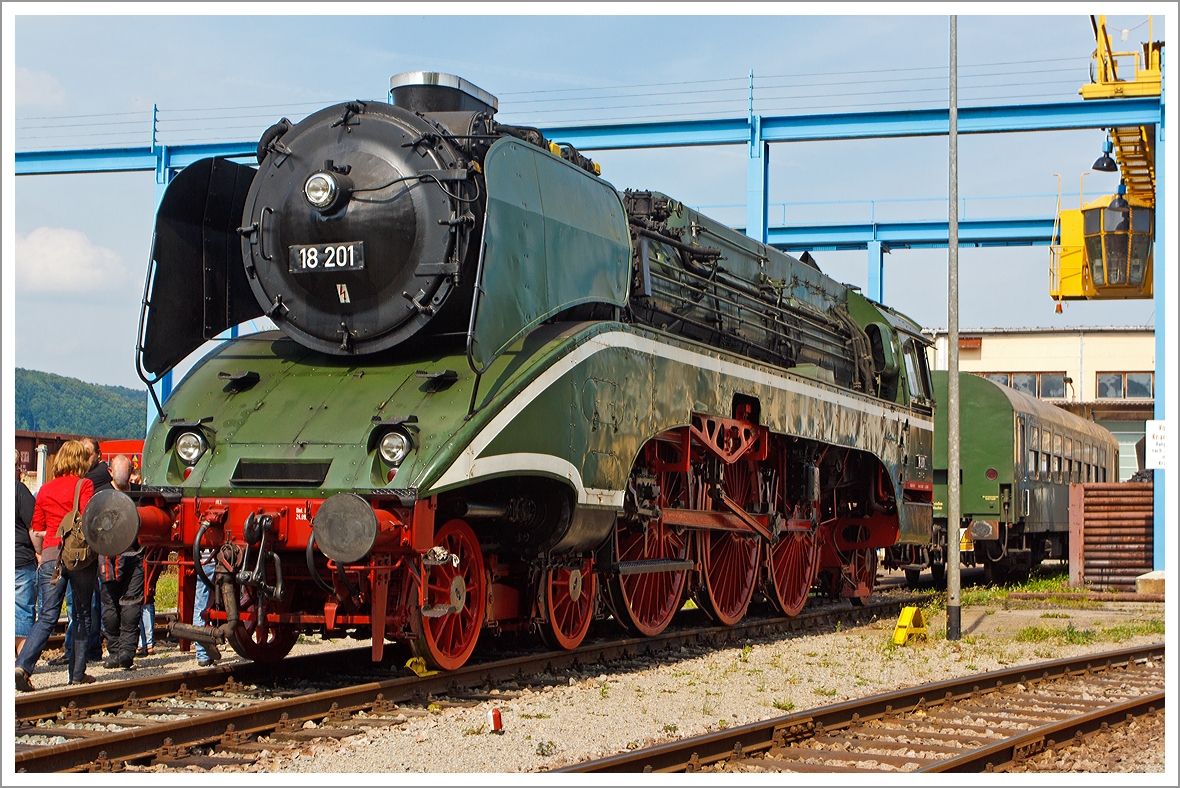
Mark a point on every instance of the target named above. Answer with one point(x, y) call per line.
point(417, 666)
point(911, 623)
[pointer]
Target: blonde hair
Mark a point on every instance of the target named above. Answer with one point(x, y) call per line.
point(72, 459)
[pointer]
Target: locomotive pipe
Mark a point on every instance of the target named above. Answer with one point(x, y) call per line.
point(477, 511)
point(311, 568)
point(214, 636)
point(197, 567)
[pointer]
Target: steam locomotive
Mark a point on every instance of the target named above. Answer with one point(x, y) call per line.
point(502, 396)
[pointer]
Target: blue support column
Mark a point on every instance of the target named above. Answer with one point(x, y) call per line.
point(1160, 289)
point(876, 289)
point(757, 173)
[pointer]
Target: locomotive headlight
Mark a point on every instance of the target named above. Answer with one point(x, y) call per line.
point(190, 446)
point(394, 448)
point(321, 190)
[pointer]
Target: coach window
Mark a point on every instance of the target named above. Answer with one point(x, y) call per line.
point(1102, 464)
point(1077, 462)
point(1056, 458)
point(1067, 461)
point(1025, 382)
point(1046, 447)
point(1034, 442)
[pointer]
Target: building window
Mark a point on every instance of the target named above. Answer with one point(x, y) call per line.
point(1126, 385)
point(1025, 382)
point(1139, 384)
point(1053, 385)
point(1050, 385)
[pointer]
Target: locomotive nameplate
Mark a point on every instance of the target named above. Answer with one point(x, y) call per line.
point(347, 256)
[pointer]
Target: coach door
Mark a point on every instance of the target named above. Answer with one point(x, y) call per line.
point(1026, 461)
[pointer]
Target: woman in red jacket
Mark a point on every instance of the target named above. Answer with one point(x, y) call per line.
point(54, 500)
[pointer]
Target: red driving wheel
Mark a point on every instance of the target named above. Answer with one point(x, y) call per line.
point(644, 603)
point(791, 568)
point(568, 599)
point(447, 625)
point(729, 560)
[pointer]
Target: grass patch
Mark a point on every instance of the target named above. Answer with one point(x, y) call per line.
point(166, 590)
point(538, 716)
point(831, 693)
point(783, 705)
point(1071, 635)
point(1045, 578)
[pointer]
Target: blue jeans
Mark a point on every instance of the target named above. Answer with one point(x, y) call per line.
point(147, 625)
point(201, 601)
point(94, 642)
point(81, 584)
point(26, 599)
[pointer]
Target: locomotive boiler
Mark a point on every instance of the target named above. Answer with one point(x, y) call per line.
point(502, 396)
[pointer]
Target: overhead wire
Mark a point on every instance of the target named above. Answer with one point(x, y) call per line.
point(774, 92)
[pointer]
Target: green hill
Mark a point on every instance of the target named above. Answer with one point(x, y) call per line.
point(52, 403)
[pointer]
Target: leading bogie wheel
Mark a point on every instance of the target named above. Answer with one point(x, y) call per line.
point(567, 597)
point(257, 639)
point(447, 625)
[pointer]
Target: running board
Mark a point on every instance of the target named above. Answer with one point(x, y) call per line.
point(651, 565)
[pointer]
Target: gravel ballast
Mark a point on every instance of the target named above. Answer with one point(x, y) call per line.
point(552, 720)
point(600, 711)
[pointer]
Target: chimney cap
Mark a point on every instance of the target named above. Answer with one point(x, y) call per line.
point(412, 79)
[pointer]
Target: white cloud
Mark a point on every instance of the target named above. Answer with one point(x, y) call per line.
point(38, 89)
point(56, 260)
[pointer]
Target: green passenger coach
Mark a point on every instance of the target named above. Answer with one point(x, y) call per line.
point(1019, 455)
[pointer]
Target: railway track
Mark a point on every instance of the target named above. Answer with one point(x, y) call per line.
point(214, 716)
point(983, 722)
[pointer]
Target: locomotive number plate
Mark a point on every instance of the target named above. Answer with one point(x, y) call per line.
point(349, 256)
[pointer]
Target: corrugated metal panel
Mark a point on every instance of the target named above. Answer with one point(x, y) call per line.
point(1111, 534)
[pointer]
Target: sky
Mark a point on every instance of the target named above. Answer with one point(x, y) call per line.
point(77, 246)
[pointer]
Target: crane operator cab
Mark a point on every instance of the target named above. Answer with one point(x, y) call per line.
point(1118, 235)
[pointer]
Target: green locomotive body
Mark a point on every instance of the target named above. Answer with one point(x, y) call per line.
point(645, 405)
point(1018, 457)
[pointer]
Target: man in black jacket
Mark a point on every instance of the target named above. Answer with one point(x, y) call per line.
point(122, 587)
point(26, 558)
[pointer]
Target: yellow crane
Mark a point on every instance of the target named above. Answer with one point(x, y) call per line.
point(1103, 249)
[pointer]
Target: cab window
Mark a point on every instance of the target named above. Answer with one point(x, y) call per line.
point(917, 372)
